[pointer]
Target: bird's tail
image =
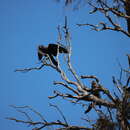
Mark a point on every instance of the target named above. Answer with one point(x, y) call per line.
point(89, 108)
point(63, 49)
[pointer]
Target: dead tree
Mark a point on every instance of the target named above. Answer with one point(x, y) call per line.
point(78, 93)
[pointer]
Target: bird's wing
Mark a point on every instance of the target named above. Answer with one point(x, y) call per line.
point(53, 49)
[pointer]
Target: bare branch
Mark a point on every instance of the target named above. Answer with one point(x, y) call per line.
point(105, 27)
point(71, 69)
point(59, 34)
point(25, 122)
point(29, 69)
point(29, 108)
point(61, 113)
point(110, 114)
point(90, 77)
point(88, 98)
point(43, 124)
point(68, 87)
point(75, 128)
point(116, 84)
point(110, 13)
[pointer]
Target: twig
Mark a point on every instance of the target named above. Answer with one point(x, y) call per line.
point(105, 9)
point(110, 114)
point(29, 69)
point(30, 108)
point(116, 84)
point(61, 113)
point(71, 69)
point(68, 87)
point(90, 76)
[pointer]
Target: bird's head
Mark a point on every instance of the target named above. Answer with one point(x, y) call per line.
point(42, 48)
point(41, 51)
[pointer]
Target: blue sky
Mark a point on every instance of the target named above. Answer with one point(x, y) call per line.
point(26, 24)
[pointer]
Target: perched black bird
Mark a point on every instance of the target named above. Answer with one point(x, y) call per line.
point(96, 92)
point(51, 50)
